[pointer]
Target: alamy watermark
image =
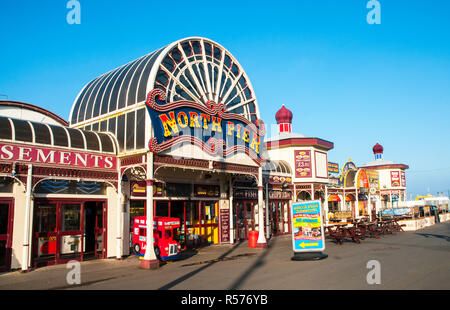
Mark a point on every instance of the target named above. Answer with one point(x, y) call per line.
point(74, 15)
point(73, 277)
point(374, 275)
point(374, 15)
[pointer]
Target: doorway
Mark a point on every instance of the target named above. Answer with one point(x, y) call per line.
point(245, 218)
point(66, 230)
point(6, 225)
point(94, 230)
point(279, 217)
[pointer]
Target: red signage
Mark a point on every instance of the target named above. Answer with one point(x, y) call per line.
point(403, 179)
point(224, 225)
point(395, 178)
point(303, 164)
point(56, 157)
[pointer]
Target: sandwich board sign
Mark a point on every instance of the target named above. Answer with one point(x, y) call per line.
point(308, 238)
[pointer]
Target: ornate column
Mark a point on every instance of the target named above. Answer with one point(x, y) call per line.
point(231, 211)
point(26, 227)
point(119, 215)
point(150, 260)
point(262, 242)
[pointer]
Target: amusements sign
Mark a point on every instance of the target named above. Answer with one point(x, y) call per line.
point(403, 179)
point(209, 127)
point(224, 225)
point(303, 164)
point(395, 178)
point(307, 227)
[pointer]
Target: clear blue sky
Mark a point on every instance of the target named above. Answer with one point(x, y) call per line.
point(345, 81)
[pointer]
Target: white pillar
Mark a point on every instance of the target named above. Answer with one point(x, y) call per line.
point(150, 261)
point(325, 209)
point(26, 229)
point(261, 243)
point(119, 216)
point(267, 211)
point(231, 211)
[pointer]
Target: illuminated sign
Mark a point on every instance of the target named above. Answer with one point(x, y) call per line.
point(209, 127)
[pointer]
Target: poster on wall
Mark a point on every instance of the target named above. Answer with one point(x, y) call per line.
point(224, 225)
point(395, 178)
point(302, 164)
point(307, 227)
point(403, 179)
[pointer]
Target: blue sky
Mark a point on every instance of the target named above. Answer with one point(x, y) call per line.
point(345, 81)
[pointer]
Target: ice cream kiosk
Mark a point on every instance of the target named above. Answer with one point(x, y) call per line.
point(164, 229)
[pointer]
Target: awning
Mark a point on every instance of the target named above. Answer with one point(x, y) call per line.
point(334, 198)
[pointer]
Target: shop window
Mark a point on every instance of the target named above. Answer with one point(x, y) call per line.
point(22, 130)
point(46, 218)
point(71, 217)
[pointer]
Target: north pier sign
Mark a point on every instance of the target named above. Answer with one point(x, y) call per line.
point(209, 127)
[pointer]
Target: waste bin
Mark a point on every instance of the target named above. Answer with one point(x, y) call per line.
point(252, 238)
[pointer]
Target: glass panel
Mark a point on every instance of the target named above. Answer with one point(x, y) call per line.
point(140, 129)
point(6, 185)
point(162, 209)
point(107, 145)
point(95, 127)
point(70, 244)
point(2, 253)
point(76, 138)
point(41, 133)
point(59, 136)
point(92, 141)
point(22, 130)
point(71, 217)
point(46, 218)
point(121, 131)
point(130, 130)
point(4, 212)
point(112, 125)
point(103, 125)
point(6, 132)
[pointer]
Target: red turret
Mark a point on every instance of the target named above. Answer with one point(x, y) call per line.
point(378, 151)
point(284, 119)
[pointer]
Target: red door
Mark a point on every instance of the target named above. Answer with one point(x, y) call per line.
point(6, 225)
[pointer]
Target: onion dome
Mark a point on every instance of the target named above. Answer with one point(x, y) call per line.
point(283, 115)
point(377, 149)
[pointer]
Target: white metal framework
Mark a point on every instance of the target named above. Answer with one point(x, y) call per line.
point(195, 69)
